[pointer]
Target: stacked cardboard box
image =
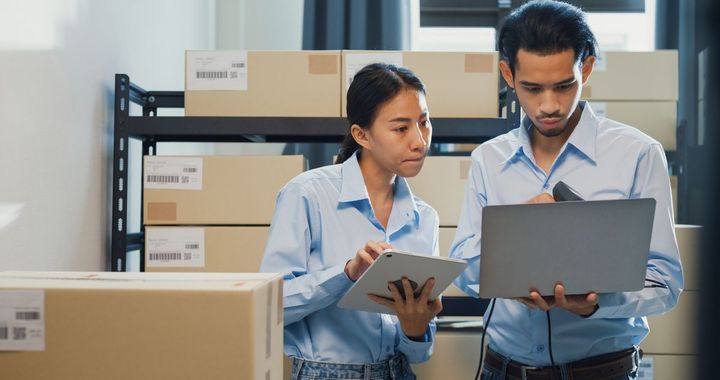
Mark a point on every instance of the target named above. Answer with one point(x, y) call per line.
point(639, 89)
point(262, 83)
point(211, 213)
point(462, 85)
point(671, 347)
point(95, 325)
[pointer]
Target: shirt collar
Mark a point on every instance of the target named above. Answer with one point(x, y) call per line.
point(583, 138)
point(353, 189)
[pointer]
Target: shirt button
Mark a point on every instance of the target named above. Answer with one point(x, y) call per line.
point(540, 348)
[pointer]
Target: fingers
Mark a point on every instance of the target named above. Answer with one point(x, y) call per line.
point(560, 299)
point(382, 301)
point(426, 291)
point(539, 301)
point(436, 306)
point(542, 198)
point(409, 294)
point(396, 294)
point(374, 249)
point(384, 245)
point(592, 298)
point(365, 257)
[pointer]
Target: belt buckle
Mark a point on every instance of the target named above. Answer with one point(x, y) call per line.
point(523, 371)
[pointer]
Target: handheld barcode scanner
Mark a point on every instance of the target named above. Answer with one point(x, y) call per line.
point(563, 193)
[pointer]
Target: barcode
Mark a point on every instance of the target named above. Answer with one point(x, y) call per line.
point(27, 315)
point(3, 333)
point(211, 74)
point(163, 178)
point(237, 65)
point(19, 333)
point(192, 246)
point(189, 170)
point(188, 256)
point(165, 256)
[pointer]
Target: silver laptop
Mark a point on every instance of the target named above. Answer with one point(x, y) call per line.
point(599, 246)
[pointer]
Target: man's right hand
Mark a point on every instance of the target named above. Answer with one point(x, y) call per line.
point(363, 258)
point(542, 198)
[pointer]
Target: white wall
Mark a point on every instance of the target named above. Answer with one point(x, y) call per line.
point(57, 64)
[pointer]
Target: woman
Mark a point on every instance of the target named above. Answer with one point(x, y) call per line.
point(330, 224)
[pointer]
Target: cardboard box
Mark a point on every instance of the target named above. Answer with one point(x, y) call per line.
point(674, 332)
point(456, 355)
point(656, 119)
point(204, 249)
point(689, 239)
point(668, 367)
point(458, 84)
point(639, 76)
point(441, 183)
point(212, 190)
point(262, 83)
point(97, 325)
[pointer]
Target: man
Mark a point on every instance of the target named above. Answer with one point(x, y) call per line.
point(547, 54)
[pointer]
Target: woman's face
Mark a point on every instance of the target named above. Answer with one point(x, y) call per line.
point(400, 136)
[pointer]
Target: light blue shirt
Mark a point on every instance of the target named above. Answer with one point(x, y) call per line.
point(322, 218)
point(602, 159)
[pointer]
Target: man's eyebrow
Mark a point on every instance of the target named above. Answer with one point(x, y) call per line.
point(562, 82)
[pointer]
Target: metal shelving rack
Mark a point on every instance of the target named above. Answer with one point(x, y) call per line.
point(151, 129)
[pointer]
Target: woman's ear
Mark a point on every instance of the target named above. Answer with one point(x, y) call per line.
point(360, 135)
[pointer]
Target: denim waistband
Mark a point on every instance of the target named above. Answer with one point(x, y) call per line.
point(393, 368)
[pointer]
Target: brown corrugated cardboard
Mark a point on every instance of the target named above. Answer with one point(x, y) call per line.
point(151, 326)
point(279, 83)
point(441, 183)
point(668, 367)
point(223, 249)
point(455, 356)
point(458, 84)
point(674, 331)
point(622, 75)
point(230, 190)
point(688, 239)
point(656, 119)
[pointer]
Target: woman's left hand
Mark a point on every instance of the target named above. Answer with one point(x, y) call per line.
point(414, 313)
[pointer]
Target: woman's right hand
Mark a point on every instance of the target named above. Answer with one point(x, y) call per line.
point(364, 257)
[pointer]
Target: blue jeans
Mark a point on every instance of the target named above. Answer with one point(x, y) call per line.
point(492, 374)
point(396, 368)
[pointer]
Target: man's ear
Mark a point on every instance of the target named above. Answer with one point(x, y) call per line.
point(507, 73)
point(360, 135)
point(587, 68)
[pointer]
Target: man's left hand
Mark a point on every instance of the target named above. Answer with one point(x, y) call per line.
point(582, 305)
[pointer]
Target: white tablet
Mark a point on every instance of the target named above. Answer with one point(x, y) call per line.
point(392, 266)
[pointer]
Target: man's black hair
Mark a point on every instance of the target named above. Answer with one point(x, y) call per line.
point(546, 27)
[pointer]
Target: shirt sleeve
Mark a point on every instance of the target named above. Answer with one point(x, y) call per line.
point(287, 251)
point(466, 245)
point(664, 277)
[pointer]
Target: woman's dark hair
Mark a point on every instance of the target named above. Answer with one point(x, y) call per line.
point(371, 87)
point(546, 27)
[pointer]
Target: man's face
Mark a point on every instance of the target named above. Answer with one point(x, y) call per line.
point(548, 87)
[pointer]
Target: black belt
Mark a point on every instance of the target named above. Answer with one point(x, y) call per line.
point(606, 366)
